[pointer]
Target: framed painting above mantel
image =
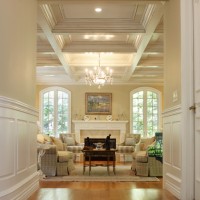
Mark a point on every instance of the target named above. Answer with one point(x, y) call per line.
point(98, 103)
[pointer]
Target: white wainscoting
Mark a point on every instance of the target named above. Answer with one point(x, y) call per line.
point(18, 154)
point(172, 150)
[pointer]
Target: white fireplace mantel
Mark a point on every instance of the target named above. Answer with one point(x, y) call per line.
point(100, 125)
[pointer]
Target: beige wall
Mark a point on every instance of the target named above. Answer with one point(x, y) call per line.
point(120, 98)
point(17, 52)
point(172, 67)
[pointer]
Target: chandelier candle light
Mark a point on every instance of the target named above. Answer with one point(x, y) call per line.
point(98, 76)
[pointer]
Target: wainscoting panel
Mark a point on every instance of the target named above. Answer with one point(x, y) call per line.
point(18, 170)
point(172, 150)
point(32, 143)
point(176, 144)
point(167, 142)
point(7, 153)
point(22, 146)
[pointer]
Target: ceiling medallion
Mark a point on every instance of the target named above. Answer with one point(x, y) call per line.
point(98, 76)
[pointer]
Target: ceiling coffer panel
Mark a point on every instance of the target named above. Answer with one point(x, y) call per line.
point(127, 34)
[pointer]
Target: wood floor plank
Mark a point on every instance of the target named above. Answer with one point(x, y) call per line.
point(60, 190)
point(101, 190)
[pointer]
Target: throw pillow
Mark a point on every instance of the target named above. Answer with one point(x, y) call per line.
point(40, 138)
point(58, 143)
point(47, 138)
point(69, 141)
point(147, 142)
point(130, 141)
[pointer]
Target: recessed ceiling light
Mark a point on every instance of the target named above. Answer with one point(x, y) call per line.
point(98, 10)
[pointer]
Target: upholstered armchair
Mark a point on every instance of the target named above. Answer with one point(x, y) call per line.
point(146, 161)
point(128, 146)
point(71, 144)
point(140, 157)
point(55, 161)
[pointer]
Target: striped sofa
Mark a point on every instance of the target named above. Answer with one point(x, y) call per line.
point(71, 144)
point(56, 161)
point(128, 146)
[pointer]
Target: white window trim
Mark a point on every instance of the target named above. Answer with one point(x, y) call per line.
point(40, 104)
point(159, 107)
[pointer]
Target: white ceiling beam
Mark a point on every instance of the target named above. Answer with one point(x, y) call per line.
point(50, 36)
point(151, 62)
point(85, 47)
point(151, 26)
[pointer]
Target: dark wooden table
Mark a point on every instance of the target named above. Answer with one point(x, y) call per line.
point(99, 157)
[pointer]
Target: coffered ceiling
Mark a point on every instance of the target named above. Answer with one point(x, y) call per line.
point(127, 34)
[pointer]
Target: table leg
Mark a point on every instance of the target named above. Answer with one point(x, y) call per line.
point(83, 163)
point(114, 164)
point(108, 159)
point(89, 164)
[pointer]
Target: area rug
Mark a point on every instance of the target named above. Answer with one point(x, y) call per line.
point(123, 174)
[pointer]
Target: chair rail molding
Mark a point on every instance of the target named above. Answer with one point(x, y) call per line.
point(19, 177)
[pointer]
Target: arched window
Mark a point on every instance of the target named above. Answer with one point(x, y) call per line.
point(145, 111)
point(55, 110)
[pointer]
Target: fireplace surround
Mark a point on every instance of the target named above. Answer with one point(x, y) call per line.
point(100, 126)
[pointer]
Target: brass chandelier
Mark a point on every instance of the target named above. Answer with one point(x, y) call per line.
point(98, 76)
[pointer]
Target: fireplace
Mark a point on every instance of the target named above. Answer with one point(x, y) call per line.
point(100, 128)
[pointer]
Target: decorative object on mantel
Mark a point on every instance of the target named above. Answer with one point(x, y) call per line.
point(86, 118)
point(76, 116)
point(122, 116)
point(109, 118)
point(97, 76)
point(98, 103)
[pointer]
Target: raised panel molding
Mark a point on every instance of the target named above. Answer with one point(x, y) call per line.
point(7, 166)
point(18, 169)
point(172, 150)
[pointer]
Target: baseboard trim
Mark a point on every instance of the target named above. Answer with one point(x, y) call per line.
point(23, 189)
point(173, 189)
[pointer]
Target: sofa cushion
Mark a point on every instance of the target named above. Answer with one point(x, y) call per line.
point(47, 138)
point(40, 138)
point(141, 156)
point(145, 142)
point(58, 143)
point(129, 142)
point(126, 149)
point(135, 136)
point(64, 156)
point(69, 140)
point(75, 149)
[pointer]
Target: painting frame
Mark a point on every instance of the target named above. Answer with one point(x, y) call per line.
point(98, 103)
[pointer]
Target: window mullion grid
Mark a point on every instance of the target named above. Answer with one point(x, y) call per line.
point(42, 115)
point(145, 113)
point(55, 112)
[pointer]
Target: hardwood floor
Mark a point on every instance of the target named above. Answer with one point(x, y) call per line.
point(60, 190)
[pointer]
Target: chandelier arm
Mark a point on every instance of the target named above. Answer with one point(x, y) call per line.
point(98, 76)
